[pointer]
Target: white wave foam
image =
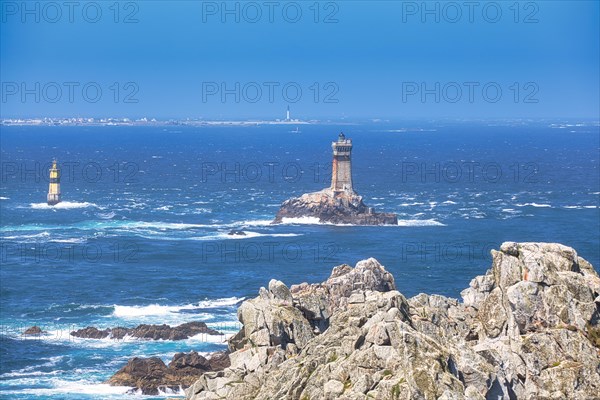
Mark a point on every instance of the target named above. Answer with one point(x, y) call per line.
point(23, 373)
point(49, 335)
point(165, 225)
point(4, 198)
point(107, 215)
point(108, 342)
point(224, 302)
point(534, 205)
point(64, 205)
point(70, 240)
point(171, 392)
point(62, 386)
point(247, 235)
point(401, 222)
point(449, 202)
point(301, 220)
point(40, 235)
point(419, 222)
point(128, 312)
point(137, 205)
point(259, 222)
point(250, 235)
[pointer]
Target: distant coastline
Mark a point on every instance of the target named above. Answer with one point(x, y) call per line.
point(556, 123)
point(155, 122)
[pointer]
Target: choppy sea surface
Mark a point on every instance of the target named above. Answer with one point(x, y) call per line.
point(142, 234)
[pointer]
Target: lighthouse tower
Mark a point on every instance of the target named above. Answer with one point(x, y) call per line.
point(341, 171)
point(54, 188)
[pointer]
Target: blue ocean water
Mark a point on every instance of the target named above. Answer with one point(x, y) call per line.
point(142, 233)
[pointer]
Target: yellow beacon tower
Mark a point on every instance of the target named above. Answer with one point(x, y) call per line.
point(54, 188)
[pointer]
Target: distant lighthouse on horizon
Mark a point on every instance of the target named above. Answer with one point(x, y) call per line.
point(287, 114)
point(54, 187)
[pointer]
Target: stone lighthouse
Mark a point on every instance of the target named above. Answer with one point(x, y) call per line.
point(339, 203)
point(54, 187)
point(341, 171)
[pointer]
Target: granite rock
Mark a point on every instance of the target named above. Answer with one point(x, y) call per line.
point(526, 329)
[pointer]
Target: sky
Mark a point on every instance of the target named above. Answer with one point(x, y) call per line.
point(325, 60)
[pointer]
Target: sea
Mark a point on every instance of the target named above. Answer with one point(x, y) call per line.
point(144, 232)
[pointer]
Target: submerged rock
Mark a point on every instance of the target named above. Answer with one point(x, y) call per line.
point(92, 332)
point(149, 332)
point(33, 330)
point(528, 329)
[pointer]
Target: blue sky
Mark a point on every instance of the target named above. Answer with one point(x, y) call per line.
point(351, 59)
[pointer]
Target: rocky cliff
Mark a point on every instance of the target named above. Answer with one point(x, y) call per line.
point(339, 208)
point(528, 328)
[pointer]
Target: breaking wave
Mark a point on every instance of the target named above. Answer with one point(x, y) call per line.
point(246, 235)
point(64, 205)
point(534, 205)
point(419, 222)
point(158, 310)
point(62, 386)
point(302, 221)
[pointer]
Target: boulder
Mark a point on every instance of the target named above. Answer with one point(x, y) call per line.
point(345, 285)
point(280, 292)
point(271, 322)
